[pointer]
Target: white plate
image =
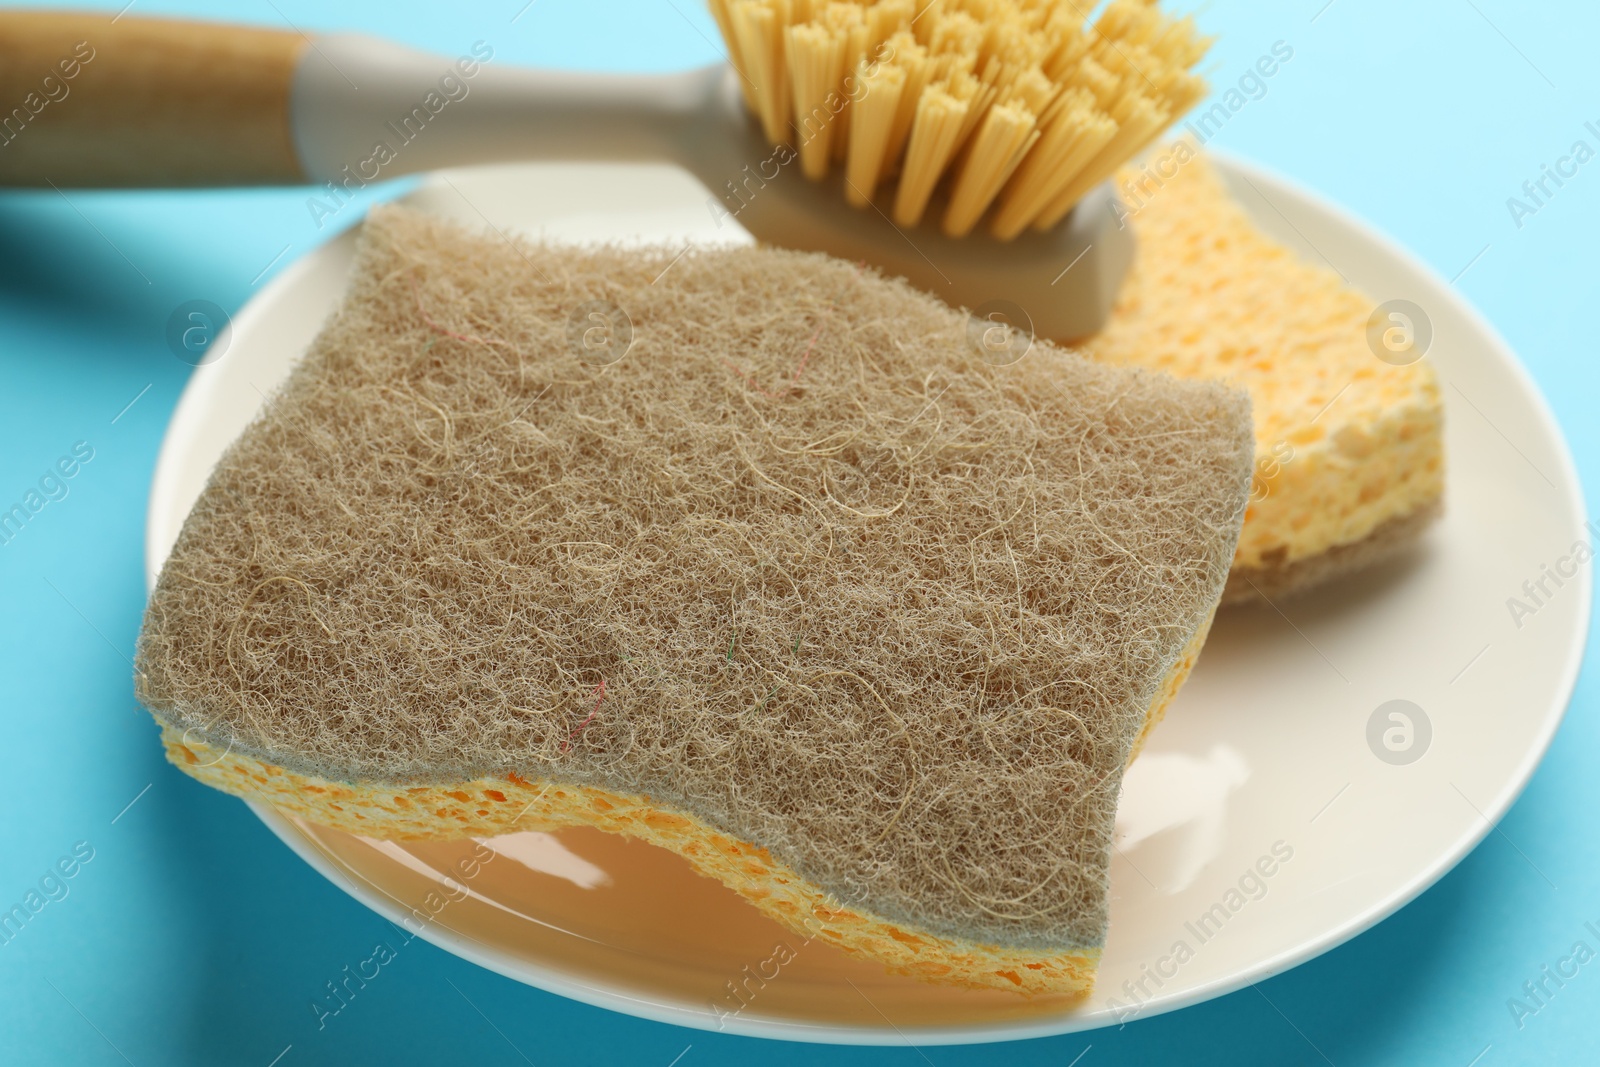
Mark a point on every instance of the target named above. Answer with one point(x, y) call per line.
point(1266, 747)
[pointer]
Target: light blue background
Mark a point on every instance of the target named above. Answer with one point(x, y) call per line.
point(195, 937)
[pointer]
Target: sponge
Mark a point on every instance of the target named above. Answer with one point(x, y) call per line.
point(1350, 448)
point(749, 553)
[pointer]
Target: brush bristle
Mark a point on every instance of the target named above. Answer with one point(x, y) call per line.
point(1014, 109)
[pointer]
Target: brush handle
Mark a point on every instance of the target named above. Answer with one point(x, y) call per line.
point(158, 102)
point(86, 100)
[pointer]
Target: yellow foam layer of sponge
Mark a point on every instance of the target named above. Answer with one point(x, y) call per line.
point(490, 806)
point(1349, 446)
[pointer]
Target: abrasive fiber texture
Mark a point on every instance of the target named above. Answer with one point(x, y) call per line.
point(801, 563)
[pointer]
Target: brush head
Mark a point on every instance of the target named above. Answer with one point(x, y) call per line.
point(1013, 110)
point(1059, 283)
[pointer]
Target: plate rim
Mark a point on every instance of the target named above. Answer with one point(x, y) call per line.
point(1230, 165)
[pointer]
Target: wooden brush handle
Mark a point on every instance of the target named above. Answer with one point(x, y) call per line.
point(88, 101)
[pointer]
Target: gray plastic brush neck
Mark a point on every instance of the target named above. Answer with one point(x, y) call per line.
point(365, 110)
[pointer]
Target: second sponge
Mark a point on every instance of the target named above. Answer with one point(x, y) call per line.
point(1349, 447)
